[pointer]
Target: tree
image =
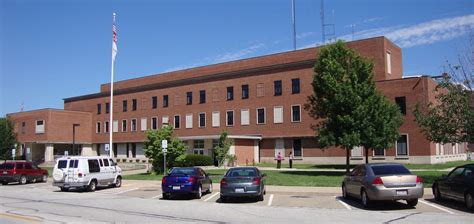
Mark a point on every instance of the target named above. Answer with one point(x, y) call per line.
point(153, 148)
point(222, 148)
point(7, 138)
point(343, 93)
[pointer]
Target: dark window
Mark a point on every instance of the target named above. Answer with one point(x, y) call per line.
point(230, 118)
point(23, 127)
point(189, 98)
point(98, 127)
point(230, 93)
point(134, 104)
point(102, 163)
point(9, 166)
point(165, 101)
point(456, 173)
point(181, 171)
point(28, 166)
point(107, 108)
point(153, 123)
point(124, 125)
point(106, 127)
point(93, 165)
point(401, 102)
point(297, 147)
point(124, 106)
point(19, 166)
point(154, 102)
point(277, 85)
point(202, 96)
point(295, 113)
point(99, 108)
point(379, 152)
point(402, 149)
point(295, 86)
point(261, 116)
point(106, 162)
point(202, 120)
point(134, 150)
point(176, 121)
point(134, 125)
point(389, 169)
point(62, 164)
point(245, 91)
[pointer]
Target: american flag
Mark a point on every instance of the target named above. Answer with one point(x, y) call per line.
point(114, 41)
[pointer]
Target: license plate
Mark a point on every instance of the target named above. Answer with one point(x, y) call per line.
point(239, 190)
point(176, 187)
point(5, 172)
point(402, 192)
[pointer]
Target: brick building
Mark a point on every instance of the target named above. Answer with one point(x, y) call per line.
point(259, 101)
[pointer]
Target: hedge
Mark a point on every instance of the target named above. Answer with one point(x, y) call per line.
point(193, 160)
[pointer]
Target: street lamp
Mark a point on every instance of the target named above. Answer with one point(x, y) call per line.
point(74, 137)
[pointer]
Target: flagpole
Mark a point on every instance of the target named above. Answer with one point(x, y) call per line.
point(111, 104)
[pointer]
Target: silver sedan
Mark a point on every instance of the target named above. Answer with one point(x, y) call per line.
point(382, 181)
point(243, 182)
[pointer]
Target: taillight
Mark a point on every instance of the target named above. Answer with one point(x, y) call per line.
point(256, 181)
point(79, 175)
point(377, 181)
point(163, 180)
point(191, 179)
point(419, 180)
point(223, 182)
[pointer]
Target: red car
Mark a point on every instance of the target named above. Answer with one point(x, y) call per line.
point(21, 172)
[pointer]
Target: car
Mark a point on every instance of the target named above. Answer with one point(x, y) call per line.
point(186, 180)
point(243, 182)
point(382, 181)
point(21, 172)
point(457, 185)
point(86, 172)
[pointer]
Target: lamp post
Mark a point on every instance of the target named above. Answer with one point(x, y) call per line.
point(74, 137)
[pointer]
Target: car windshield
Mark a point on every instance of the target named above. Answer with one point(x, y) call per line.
point(181, 171)
point(241, 173)
point(7, 166)
point(62, 164)
point(390, 169)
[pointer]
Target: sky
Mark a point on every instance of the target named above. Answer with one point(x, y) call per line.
point(54, 49)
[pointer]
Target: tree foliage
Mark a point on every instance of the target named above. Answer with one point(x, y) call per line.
point(222, 148)
point(153, 147)
point(7, 138)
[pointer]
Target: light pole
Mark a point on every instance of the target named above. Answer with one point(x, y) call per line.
point(74, 137)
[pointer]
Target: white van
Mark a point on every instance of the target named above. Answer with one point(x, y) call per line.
point(86, 172)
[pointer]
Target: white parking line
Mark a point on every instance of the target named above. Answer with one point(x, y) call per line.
point(209, 198)
point(157, 196)
point(436, 206)
point(125, 191)
point(270, 200)
point(343, 203)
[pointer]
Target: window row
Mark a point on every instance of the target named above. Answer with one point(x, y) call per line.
point(215, 117)
point(401, 149)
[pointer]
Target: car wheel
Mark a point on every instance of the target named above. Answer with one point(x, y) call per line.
point(210, 189)
point(344, 191)
point(166, 196)
point(412, 202)
point(365, 199)
point(92, 186)
point(223, 199)
point(199, 193)
point(33, 180)
point(261, 197)
point(436, 192)
point(468, 200)
point(64, 189)
point(45, 178)
point(118, 182)
point(4, 183)
point(23, 179)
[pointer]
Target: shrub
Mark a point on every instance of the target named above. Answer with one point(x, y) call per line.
point(193, 160)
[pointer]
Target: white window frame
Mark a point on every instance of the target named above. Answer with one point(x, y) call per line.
point(131, 124)
point(408, 147)
point(264, 115)
point(115, 126)
point(275, 114)
point(378, 156)
point(124, 129)
point(189, 121)
point(199, 120)
point(216, 119)
point(243, 115)
point(227, 118)
point(151, 123)
point(143, 124)
point(97, 127)
point(165, 120)
point(174, 121)
point(293, 121)
point(39, 129)
point(388, 56)
point(353, 155)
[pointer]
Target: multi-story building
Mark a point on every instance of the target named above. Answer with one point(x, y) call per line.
point(259, 101)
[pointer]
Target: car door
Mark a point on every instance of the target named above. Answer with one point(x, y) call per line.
point(350, 181)
point(203, 179)
point(457, 185)
point(446, 187)
point(30, 172)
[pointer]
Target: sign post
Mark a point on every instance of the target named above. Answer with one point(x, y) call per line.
point(164, 146)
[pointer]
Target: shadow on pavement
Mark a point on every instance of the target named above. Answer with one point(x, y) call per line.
point(452, 204)
point(377, 205)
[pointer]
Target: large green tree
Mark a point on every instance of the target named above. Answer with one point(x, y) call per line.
point(7, 138)
point(154, 150)
point(222, 148)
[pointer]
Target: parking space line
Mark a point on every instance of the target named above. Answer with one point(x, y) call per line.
point(343, 203)
point(125, 191)
point(436, 206)
point(209, 198)
point(270, 200)
point(157, 196)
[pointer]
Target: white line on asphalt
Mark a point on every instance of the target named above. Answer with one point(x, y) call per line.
point(125, 191)
point(343, 203)
point(436, 206)
point(157, 196)
point(209, 198)
point(270, 200)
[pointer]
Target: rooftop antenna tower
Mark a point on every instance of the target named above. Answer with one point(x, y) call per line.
point(327, 29)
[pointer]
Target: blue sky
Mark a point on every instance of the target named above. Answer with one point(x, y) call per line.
point(53, 49)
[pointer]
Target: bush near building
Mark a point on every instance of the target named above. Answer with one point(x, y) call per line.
point(193, 160)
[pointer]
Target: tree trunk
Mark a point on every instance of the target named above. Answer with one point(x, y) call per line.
point(366, 155)
point(348, 151)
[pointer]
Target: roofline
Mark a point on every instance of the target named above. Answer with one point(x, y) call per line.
point(254, 137)
point(46, 109)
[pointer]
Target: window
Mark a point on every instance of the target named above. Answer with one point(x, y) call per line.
point(165, 120)
point(124, 125)
point(106, 127)
point(198, 147)
point(260, 115)
point(154, 102)
point(93, 166)
point(143, 122)
point(402, 145)
point(278, 115)
point(230, 118)
point(244, 117)
point(134, 124)
point(245, 91)
point(297, 149)
point(379, 152)
point(154, 123)
point(115, 126)
point(189, 120)
point(23, 127)
point(260, 90)
point(177, 120)
point(189, 98)
point(134, 104)
point(106, 162)
point(230, 93)
point(390, 169)
point(202, 120)
point(40, 126)
point(124, 106)
point(165, 101)
point(202, 96)
point(216, 116)
point(457, 172)
point(389, 63)
point(401, 103)
point(277, 87)
point(356, 151)
point(295, 86)
point(97, 127)
point(295, 113)
point(99, 108)
point(107, 108)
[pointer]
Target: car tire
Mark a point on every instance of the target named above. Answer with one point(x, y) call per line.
point(22, 180)
point(436, 192)
point(166, 196)
point(64, 189)
point(92, 186)
point(223, 199)
point(469, 201)
point(210, 189)
point(118, 182)
point(261, 197)
point(412, 202)
point(365, 199)
point(344, 191)
point(44, 179)
point(199, 193)
point(4, 183)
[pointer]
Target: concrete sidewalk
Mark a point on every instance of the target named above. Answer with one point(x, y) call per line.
point(318, 169)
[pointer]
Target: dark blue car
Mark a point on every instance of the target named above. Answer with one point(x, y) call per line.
point(457, 185)
point(186, 180)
